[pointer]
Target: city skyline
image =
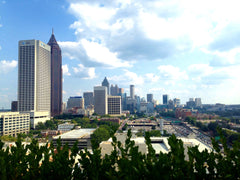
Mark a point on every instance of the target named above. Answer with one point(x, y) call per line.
point(187, 49)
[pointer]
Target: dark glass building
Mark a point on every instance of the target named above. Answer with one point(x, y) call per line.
point(56, 77)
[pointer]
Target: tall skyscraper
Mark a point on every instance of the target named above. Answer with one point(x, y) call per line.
point(165, 99)
point(56, 77)
point(34, 76)
point(149, 97)
point(88, 98)
point(100, 100)
point(106, 84)
point(132, 91)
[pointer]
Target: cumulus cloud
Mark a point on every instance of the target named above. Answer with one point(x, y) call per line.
point(152, 77)
point(84, 72)
point(65, 70)
point(6, 66)
point(169, 72)
point(92, 54)
point(127, 78)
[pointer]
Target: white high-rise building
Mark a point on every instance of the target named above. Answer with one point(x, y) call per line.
point(34, 77)
point(100, 100)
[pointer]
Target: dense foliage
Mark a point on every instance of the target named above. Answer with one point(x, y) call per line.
point(125, 162)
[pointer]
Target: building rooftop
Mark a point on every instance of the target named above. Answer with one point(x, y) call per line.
point(75, 134)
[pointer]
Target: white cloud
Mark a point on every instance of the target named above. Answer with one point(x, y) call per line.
point(101, 54)
point(84, 72)
point(169, 72)
point(0, 48)
point(1, 25)
point(152, 77)
point(6, 66)
point(65, 70)
point(64, 92)
point(127, 78)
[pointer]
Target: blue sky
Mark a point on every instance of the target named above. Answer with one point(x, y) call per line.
point(181, 48)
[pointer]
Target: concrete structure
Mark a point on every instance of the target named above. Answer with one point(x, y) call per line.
point(132, 91)
point(13, 123)
point(100, 100)
point(165, 99)
point(149, 97)
point(56, 77)
point(34, 76)
point(114, 105)
point(106, 84)
point(65, 127)
point(75, 102)
point(159, 144)
point(80, 135)
point(88, 98)
point(37, 117)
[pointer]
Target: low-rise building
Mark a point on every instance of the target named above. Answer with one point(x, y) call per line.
point(159, 144)
point(65, 127)
point(83, 136)
point(13, 123)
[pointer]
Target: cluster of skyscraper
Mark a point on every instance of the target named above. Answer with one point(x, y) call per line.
point(39, 79)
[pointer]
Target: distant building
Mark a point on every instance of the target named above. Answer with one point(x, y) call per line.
point(65, 127)
point(149, 97)
point(143, 107)
point(132, 91)
point(176, 102)
point(88, 98)
point(165, 99)
point(121, 90)
point(182, 113)
point(106, 84)
point(198, 102)
point(112, 119)
point(75, 102)
point(100, 100)
point(114, 105)
point(14, 106)
point(64, 106)
point(114, 90)
point(191, 103)
point(13, 123)
point(131, 104)
point(170, 104)
point(56, 77)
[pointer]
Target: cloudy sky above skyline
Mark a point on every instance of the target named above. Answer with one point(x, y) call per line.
point(186, 48)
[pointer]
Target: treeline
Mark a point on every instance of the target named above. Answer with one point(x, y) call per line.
point(124, 162)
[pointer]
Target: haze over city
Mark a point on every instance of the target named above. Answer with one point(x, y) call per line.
point(184, 49)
